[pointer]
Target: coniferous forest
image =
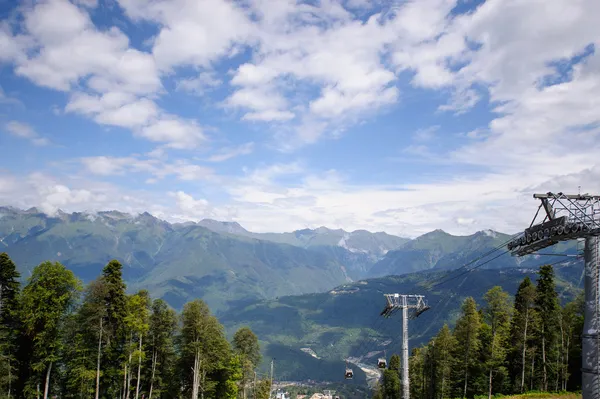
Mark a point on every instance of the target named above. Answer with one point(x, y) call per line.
point(503, 346)
point(59, 339)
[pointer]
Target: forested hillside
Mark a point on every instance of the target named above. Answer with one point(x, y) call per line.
point(59, 338)
point(311, 334)
point(501, 346)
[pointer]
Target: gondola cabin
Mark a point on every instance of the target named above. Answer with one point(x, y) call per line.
point(382, 363)
point(349, 374)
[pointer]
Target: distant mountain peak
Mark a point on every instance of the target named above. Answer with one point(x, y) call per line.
point(223, 227)
point(490, 233)
point(114, 215)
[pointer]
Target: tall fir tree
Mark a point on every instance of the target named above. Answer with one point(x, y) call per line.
point(245, 345)
point(9, 323)
point(114, 329)
point(391, 385)
point(163, 329)
point(547, 305)
point(87, 340)
point(443, 358)
point(497, 315)
point(395, 362)
point(522, 330)
point(468, 344)
point(203, 348)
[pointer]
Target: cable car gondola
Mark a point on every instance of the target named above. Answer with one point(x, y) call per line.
point(382, 362)
point(349, 374)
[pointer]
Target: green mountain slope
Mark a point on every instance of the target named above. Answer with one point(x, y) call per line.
point(177, 262)
point(440, 250)
point(346, 322)
point(359, 241)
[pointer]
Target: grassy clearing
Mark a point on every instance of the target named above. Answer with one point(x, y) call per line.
point(537, 395)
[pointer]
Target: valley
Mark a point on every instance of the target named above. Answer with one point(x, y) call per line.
point(313, 297)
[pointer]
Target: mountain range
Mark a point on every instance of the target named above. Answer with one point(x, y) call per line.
point(310, 335)
point(312, 296)
point(225, 264)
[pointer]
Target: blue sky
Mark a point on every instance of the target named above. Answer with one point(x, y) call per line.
point(401, 116)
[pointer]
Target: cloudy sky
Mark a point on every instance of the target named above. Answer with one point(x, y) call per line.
point(401, 116)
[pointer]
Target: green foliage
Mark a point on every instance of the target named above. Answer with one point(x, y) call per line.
point(115, 308)
point(522, 326)
point(263, 389)
point(484, 353)
point(111, 345)
point(394, 362)
point(468, 345)
point(203, 347)
point(335, 324)
point(245, 345)
point(47, 299)
point(443, 345)
point(9, 322)
point(390, 387)
point(161, 349)
point(497, 314)
point(548, 307)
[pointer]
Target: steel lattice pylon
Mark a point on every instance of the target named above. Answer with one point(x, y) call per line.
point(569, 217)
point(417, 305)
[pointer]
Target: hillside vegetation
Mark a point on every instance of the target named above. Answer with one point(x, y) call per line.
point(107, 344)
point(315, 331)
point(502, 345)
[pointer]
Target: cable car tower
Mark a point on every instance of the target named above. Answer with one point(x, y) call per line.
point(417, 305)
point(569, 217)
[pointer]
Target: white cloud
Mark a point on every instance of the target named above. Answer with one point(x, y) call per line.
point(214, 33)
point(227, 153)
point(158, 169)
point(66, 47)
point(426, 134)
point(109, 81)
point(49, 193)
point(141, 115)
point(205, 81)
point(311, 71)
point(24, 131)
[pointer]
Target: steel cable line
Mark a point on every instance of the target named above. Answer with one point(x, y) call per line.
point(480, 257)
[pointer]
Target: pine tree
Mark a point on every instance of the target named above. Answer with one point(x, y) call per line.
point(114, 330)
point(245, 344)
point(137, 322)
point(163, 328)
point(547, 305)
point(47, 299)
point(497, 314)
point(468, 344)
point(228, 378)
point(444, 360)
point(9, 323)
point(86, 340)
point(263, 389)
point(522, 325)
point(394, 362)
point(203, 348)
